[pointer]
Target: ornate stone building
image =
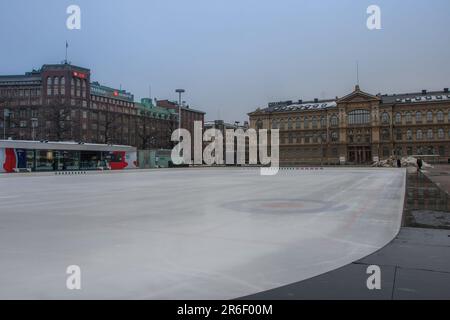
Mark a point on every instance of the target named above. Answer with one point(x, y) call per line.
point(360, 128)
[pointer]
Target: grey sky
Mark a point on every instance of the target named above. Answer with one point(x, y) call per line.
point(235, 55)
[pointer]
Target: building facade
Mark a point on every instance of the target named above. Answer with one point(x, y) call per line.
point(188, 114)
point(360, 128)
point(60, 103)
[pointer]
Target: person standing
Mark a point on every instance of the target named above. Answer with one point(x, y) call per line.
point(419, 164)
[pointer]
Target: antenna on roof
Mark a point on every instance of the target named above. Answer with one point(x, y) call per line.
point(67, 46)
point(357, 73)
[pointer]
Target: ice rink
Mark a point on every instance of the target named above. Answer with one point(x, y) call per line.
point(189, 233)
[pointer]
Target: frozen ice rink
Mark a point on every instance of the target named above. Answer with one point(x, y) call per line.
point(189, 233)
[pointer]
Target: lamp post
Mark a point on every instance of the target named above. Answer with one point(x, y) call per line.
point(180, 92)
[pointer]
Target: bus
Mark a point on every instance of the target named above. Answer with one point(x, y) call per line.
point(38, 156)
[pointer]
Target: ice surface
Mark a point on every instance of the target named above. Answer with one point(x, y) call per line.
point(189, 233)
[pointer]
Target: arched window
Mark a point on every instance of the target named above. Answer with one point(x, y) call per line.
point(49, 86)
point(408, 117)
point(359, 117)
point(334, 121)
point(419, 134)
point(289, 123)
point(409, 134)
point(440, 116)
point(314, 122)
point(274, 124)
point(305, 123)
point(259, 124)
point(418, 117)
point(398, 118)
point(430, 134)
point(430, 116)
point(323, 122)
point(385, 118)
point(298, 123)
point(441, 133)
point(334, 136)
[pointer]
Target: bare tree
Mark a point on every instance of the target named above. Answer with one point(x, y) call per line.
point(58, 119)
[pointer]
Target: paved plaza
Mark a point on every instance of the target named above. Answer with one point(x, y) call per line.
point(190, 233)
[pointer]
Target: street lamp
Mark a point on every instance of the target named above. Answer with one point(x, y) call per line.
point(179, 91)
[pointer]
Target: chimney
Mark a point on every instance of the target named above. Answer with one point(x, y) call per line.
point(316, 100)
point(424, 91)
point(446, 90)
point(300, 101)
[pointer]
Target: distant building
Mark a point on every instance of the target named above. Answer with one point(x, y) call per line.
point(359, 127)
point(59, 102)
point(188, 114)
point(223, 126)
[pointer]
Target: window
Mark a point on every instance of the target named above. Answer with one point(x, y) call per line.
point(430, 116)
point(441, 133)
point(430, 134)
point(441, 151)
point(323, 122)
point(398, 118)
point(398, 134)
point(386, 152)
point(305, 123)
point(408, 117)
point(289, 123)
point(418, 117)
point(314, 122)
point(359, 117)
point(334, 136)
point(298, 123)
point(409, 135)
point(385, 118)
point(49, 86)
point(274, 124)
point(440, 116)
point(259, 123)
point(419, 135)
point(385, 134)
point(291, 138)
point(63, 86)
point(334, 121)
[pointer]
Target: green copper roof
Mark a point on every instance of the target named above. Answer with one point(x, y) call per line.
point(146, 106)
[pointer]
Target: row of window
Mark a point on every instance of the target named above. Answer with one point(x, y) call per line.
point(307, 123)
point(310, 138)
point(355, 117)
point(429, 115)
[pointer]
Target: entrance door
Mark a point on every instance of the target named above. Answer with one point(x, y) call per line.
point(360, 154)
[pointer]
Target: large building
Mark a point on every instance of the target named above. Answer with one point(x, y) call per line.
point(60, 103)
point(359, 128)
point(188, 114)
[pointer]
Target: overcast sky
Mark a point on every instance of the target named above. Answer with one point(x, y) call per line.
point(236, 55)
